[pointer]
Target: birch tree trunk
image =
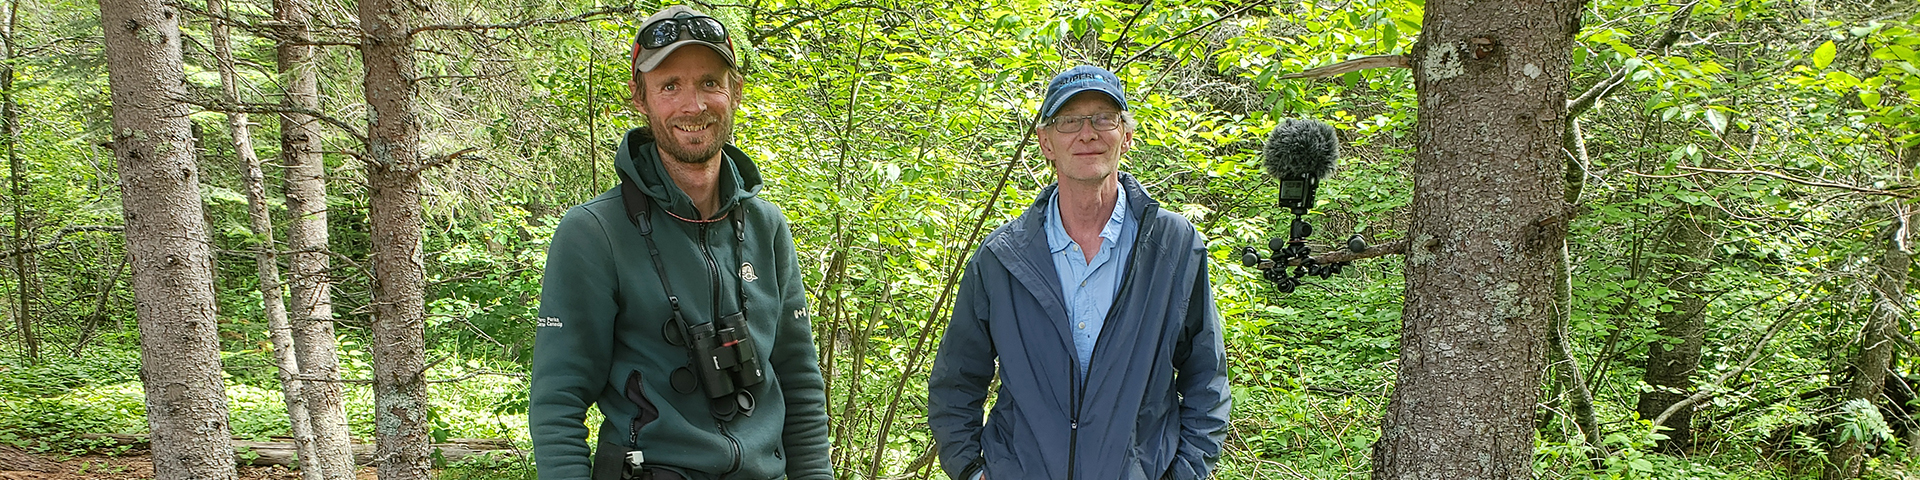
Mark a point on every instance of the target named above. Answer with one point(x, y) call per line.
point(166, 242)
point(399, 293)
point(271, 304)
point(1492, 82)
point(311, 305)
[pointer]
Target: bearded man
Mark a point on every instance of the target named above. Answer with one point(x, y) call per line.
point(674, 302)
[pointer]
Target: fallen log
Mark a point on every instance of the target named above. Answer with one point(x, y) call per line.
point(282, 452)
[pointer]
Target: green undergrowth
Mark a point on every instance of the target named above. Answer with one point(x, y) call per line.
point(52, 406)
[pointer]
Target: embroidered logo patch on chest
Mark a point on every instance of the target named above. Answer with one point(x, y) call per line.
point(746, 272)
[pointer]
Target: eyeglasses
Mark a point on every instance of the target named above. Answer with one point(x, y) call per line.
point(665, 32)
point(1101, 121)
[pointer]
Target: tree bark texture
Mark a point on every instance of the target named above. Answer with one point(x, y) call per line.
point(1578, 394)
point(10, 122)
point(1492, 83)
point(1685, 254)
point(264, 259)
point(399, 345)
point(1870, 365)
point(167, 242)
point(315, 347)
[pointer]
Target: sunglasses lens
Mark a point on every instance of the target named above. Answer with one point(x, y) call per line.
point(707, 29)
point(665, 32)
point(660, 33)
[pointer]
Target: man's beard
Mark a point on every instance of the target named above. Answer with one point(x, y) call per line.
point(668, 138)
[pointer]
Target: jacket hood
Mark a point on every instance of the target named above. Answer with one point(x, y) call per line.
point(640, 159)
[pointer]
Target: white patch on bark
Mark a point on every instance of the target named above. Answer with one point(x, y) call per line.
point(1417, 252)
point(1443, 61)
point(1505, 300)
point(1532, 71)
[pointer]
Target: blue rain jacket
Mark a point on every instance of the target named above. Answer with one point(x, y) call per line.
point(1154, 401)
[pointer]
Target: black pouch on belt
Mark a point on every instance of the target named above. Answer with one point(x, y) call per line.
point(610, 463)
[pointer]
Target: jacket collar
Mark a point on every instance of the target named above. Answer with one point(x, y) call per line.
point(640, 159)
point(1022, 246)
point(1030, 226)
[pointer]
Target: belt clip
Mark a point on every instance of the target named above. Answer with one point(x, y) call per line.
point(634, 460)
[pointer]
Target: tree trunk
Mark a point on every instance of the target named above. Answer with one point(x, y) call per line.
point(1566, 367)
point(393, 175)
point(306, 191)
point(167, 242)
point(10, 122)
point(1883, 324)
point(264, 259)
point(1492, 83)
point(1685, 255)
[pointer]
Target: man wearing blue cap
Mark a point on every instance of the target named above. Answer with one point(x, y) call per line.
point(1095, 309)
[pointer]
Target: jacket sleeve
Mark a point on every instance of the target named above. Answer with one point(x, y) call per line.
point(957, 385)
point(797, 365)
point(1202, 381)
point(572, 345)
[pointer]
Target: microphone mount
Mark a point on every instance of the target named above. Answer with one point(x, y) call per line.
point(1294, 252)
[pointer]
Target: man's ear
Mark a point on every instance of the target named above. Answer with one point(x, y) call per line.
point(638, 99)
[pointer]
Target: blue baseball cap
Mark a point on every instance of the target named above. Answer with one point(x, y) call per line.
point(1076, 80)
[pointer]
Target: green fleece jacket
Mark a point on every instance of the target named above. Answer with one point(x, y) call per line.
point(603, 311)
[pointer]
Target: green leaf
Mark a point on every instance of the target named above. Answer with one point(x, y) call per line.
point(1870, 98)
point(1823, 55)
point(1717, 119)
point(1641, 464)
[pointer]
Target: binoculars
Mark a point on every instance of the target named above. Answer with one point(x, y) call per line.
point(725, 362)
point(723, 355)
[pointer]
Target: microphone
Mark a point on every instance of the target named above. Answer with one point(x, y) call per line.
point(1301, 150)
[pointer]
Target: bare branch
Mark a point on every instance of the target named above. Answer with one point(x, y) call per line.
point(1396, 247)
point(1789, 178)
point(791, 24)
point(1137, 13)
point(1190, 31)
point(41, 49)
point(1759, 350)
point(1586, 100)
point(57, 243)
point(1354, 65)
point(270, 108)
point(622, 9)
point(439, 160)
point(477, 373)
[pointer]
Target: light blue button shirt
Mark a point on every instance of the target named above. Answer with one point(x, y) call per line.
point(1089, 287)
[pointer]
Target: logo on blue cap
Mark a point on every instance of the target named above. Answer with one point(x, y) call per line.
point(1081, 79)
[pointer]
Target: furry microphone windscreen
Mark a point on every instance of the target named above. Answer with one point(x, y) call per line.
point(1301, 148)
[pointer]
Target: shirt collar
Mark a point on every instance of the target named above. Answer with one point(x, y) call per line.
point(1057, 238)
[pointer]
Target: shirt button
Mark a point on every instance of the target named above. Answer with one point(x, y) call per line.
point(1083, 325)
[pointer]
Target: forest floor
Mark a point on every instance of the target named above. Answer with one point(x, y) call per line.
point(17, 464)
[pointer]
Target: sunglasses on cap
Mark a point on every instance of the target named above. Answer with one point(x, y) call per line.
point(666, 31)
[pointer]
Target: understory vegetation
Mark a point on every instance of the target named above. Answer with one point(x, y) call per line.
point(1743, 166)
